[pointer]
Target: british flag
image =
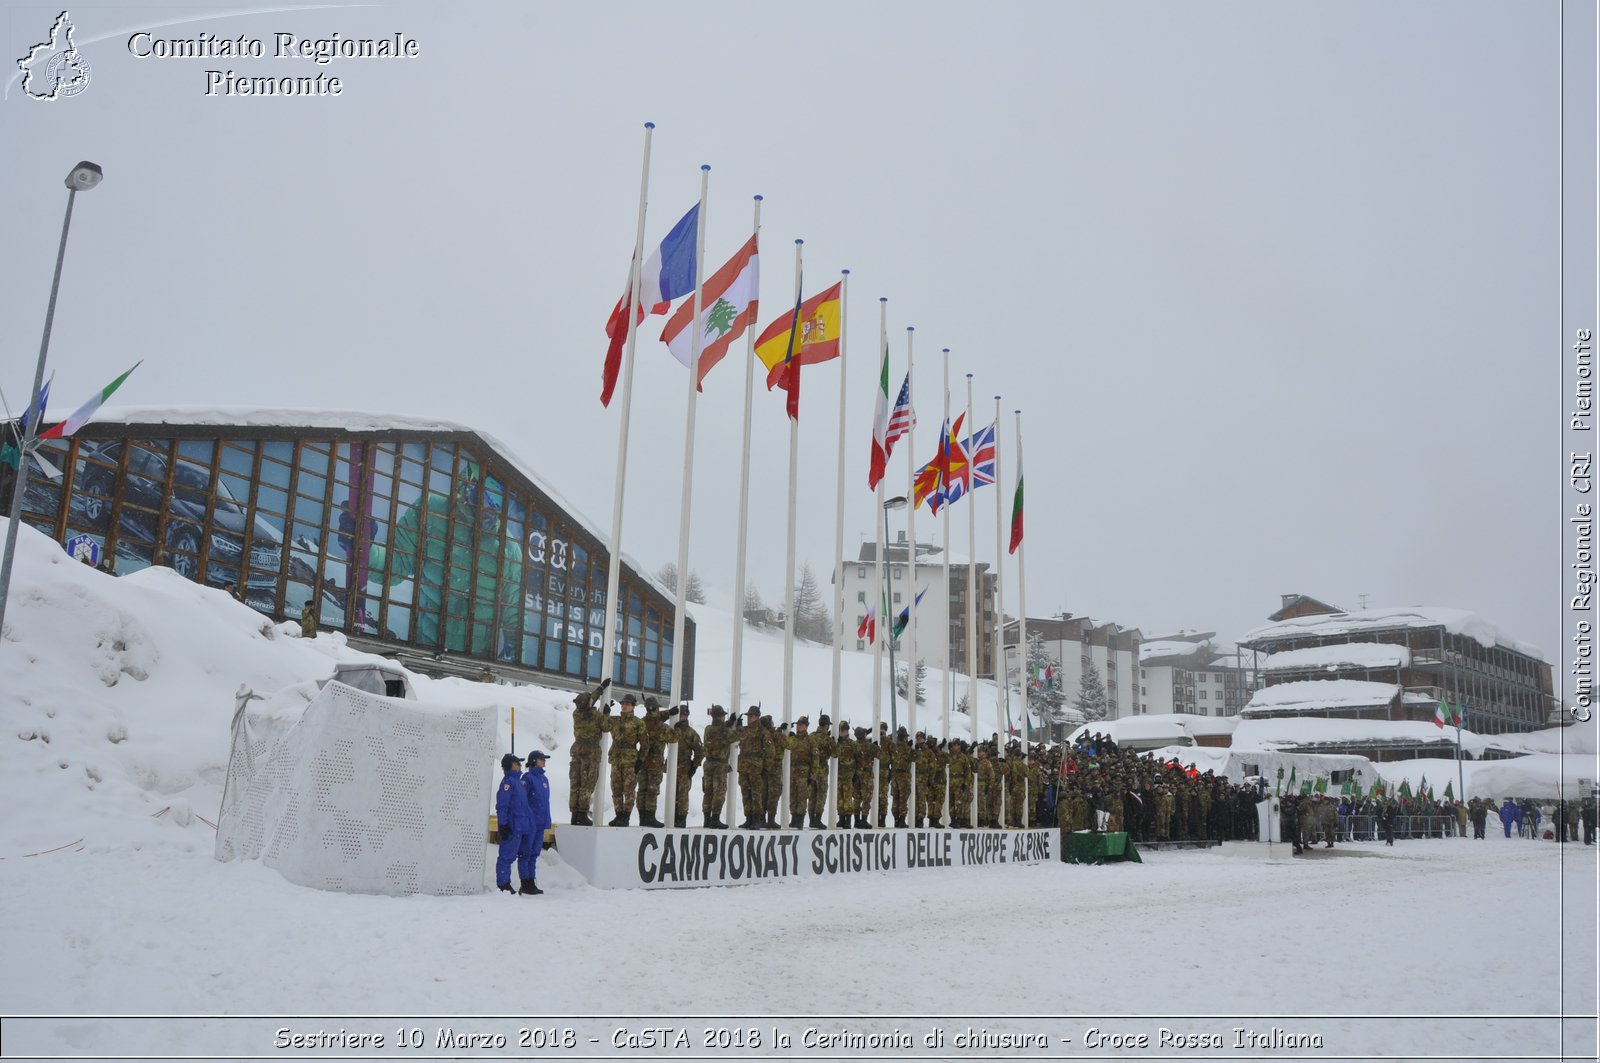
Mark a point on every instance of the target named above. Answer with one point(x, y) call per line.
point(972, 463)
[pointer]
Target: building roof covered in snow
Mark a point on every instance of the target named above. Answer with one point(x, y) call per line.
point(1343, 655)
point(1311, 695)
point(1368, 621)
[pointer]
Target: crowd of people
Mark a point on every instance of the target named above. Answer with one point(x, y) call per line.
point(919, 780)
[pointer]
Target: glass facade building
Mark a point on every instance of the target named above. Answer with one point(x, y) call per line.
point(426, 540)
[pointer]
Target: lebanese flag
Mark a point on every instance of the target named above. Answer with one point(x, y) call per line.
point(729, 303)
point(81, 416)
point(668, 274)
point(880, 427)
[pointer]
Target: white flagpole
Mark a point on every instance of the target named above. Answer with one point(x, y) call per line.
point(1022, 592)
point(830, 804)
point(680, 612)
point(788, 594)
point(734, 698)
point(972, 573)
point(944, 534)
point(1002, 692)
point(880, 590)
point(608, 639)
point(911, 548)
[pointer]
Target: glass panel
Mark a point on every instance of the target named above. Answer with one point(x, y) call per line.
point(310, 485)
point(278, 450)
point(43, 496)
point(199, 451)
point(411, 470)
point(443, 456)
point(307, 510)
point(132, 556)
point(552, 655)
point(649, 673)
point(275, 473)
point(272, 499)
point(530, 651)
point(574, 665)
point(314, 458)
point(630, 672)
point(237, 460)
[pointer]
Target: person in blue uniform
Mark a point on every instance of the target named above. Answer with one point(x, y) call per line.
point(514, 819)
point(537, 787)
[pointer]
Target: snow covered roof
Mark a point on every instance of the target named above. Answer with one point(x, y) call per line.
point(1173, 728)
point(1346, 655)
point(1313, 694)
point(1151, 651)
point(357, 421)
point(1299, 731)
point(1363, 621)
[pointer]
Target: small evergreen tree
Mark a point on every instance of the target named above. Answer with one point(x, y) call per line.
point(1091, 699)
point(811, 618)
point(922, 685)
point(668, 575)
point(1044, 694)
point(755, 610)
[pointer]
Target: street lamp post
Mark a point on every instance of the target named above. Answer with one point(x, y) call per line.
point(897, 502)
point(83, 177)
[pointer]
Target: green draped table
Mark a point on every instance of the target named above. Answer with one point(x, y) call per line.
point(1087, 847)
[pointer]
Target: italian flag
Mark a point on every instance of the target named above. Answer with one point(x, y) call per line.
point(1444, 714)
point(81, 416)
point(880, 426)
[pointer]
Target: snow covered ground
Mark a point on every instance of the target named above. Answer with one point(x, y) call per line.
point(117, 695)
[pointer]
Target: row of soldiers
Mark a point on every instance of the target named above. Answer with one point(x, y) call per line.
point(638, 764)
point(1153, 800)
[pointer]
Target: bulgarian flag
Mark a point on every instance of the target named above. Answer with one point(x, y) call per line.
point(880, 426)
point(1016, 504)
point(82, 415)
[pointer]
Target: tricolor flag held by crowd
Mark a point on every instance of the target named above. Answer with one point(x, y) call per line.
point(668, 274)
point(729, 303)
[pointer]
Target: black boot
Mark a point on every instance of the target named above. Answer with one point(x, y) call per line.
point(679, 822)
point(530, 888)
point(795, 819)
point(862, 823)
point(844, 822)
point(505, 887)
point(816, 822)
point(648, 819)
point(880, 822)
point(620, 819)
point(900, 822)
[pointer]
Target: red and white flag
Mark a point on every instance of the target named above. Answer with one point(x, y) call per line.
point(729, 303)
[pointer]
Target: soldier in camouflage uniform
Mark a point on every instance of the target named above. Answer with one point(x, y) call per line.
point(652, 763)
point(584, 762)
point(823, 750)
point(772, 769)
point(627, 734)
point(1164, 805)
point(1016, 772)
point(848, 787)
point(931, 781)
point(1035, 780)
point(691, 754)
point(752, 766)
point(885, 773)
point(988, 789)
point(960, 760)
point(866, 754)
point(721, 734)
point(900, 761)
point(802, 752)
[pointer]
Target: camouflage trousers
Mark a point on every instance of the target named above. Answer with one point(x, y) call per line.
point(624, 781)
point(680, 799)
point(960, 799)
point(713, 789)
point(900, 791)
point(1016, 801)
point(583, 768)
point(772, 784)
point(847, 795)
point(930, 796)
point(988, 805)
point(802, 793)
point(753, 795)
point(650, 790)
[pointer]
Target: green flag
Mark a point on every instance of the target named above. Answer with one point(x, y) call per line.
point(1321, 786)
point(1344, 789)
point(1450, 791)
point(1405, 787)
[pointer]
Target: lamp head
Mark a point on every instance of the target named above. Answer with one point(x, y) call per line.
point(897, 502)
point(84, 176)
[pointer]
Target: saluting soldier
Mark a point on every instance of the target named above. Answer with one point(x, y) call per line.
point(930, 781)
point(721, 734)
point(627, 735)
point(583, 766)
point(900, 760)
point(691, 753)
point(1016, 783)
point(885, 771)
point(752, 766)
point(772, 769)
point(960, 763)
point(801, 754)
point(988, 789)
point(823, 749)
point(866, 756)
point(845, 749)
point(652, 764)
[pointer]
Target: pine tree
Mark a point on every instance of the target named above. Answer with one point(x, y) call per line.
point(667, 574)
point(1045, 696)
point(922, 685)
point(811, 618)
point(755, 609)
point(1091, 699)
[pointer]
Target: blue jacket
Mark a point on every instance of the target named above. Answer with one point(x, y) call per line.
point(537, 785)
point(511, 806)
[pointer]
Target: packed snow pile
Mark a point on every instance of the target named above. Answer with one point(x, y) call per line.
point(1343, 655)
point(359, 792)
point(1312, 694)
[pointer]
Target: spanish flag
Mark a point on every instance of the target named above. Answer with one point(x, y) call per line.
point(815, 336)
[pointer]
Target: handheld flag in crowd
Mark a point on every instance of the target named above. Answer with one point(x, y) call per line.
point(668, 274)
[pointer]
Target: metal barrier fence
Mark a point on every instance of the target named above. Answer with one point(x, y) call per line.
point(1370, 828)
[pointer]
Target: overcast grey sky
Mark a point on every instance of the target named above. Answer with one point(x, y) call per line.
point(1274, 285)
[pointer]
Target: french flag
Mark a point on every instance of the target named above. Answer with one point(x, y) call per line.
point(668, 274)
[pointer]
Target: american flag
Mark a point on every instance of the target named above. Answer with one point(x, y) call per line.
point(901, 418)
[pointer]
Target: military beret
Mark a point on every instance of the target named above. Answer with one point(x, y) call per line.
point(718, 710)
point(629, 699)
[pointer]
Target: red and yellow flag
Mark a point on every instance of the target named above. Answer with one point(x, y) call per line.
point(816, 336)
